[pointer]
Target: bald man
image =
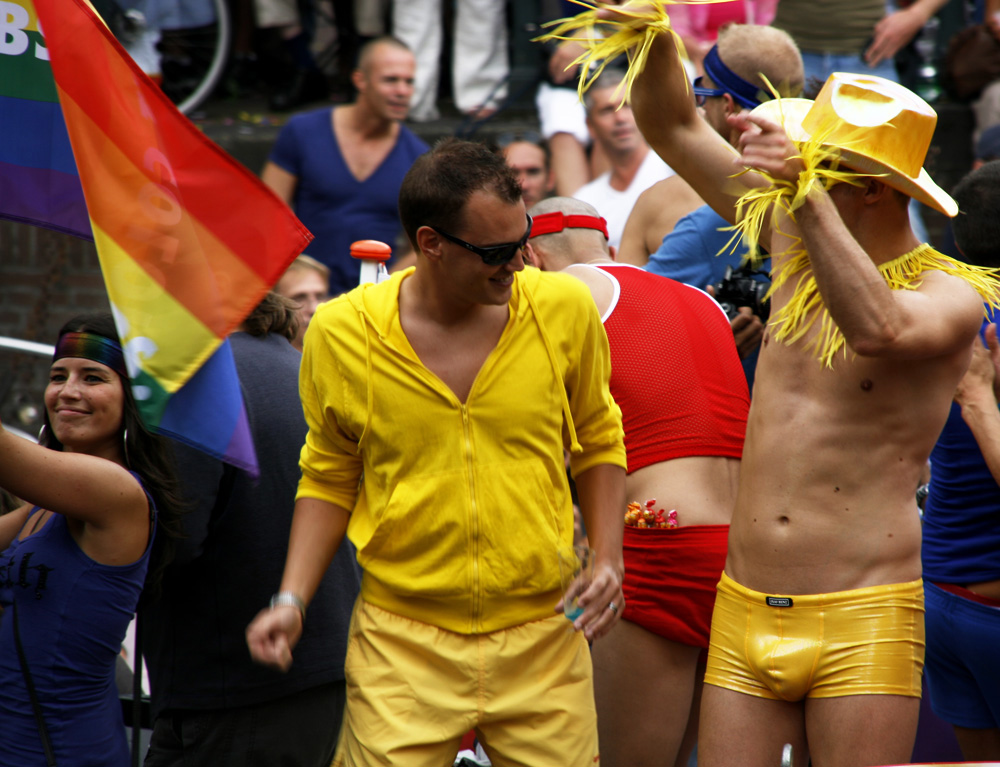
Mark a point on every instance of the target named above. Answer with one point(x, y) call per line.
point(676, 376)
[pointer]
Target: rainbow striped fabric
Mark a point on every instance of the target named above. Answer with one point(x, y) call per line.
point(188, 239)
point(38, 179)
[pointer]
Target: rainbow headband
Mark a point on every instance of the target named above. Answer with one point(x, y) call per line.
point(550, 223)
point(90, 346)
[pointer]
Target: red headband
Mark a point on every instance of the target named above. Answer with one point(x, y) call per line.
point(550, 223)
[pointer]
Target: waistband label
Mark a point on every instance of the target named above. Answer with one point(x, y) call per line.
point(779, 601)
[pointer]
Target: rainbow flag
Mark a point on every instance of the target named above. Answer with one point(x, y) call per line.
point(38, 180)
point(189, 240)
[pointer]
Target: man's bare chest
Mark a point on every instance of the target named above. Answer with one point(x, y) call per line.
point(456, 357)
point(363, 157)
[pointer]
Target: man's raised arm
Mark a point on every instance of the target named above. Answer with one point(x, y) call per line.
point(940, 316)
point(665, 112)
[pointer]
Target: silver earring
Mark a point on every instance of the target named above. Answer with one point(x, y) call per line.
point(41, 433)
point(125, 447)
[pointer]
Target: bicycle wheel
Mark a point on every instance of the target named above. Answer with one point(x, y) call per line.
point(192, 60)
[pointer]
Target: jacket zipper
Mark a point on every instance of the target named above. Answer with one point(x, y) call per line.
point(475, 521)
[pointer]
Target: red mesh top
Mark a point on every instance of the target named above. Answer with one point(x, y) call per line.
point(675, 372)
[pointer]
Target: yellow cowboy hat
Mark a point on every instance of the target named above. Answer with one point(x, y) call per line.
point(879, 128)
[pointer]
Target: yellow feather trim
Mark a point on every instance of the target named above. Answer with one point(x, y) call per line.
point(805, 308)
point(759, 205)
point(632, 36)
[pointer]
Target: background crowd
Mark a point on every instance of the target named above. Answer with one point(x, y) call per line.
point(356, 130)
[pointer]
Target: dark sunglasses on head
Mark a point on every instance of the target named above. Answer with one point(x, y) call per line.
point(701, 94)
point(504, 140)
point(495, 254)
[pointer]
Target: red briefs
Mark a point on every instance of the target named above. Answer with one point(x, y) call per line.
point(670, 579)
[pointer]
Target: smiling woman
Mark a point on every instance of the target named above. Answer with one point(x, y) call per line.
point(101, 504)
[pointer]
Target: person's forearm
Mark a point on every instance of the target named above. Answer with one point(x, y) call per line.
point(318, 528)
point(927, 8)
point(661, 98)
point(853, 290)
point(601, 490)
point(983, 419)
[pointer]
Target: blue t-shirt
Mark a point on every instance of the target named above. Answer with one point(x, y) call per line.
point(336, 207)
point(691, 254)
point(961, 536)
point(72, 615)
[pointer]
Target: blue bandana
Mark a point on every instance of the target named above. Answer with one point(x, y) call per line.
point(743, 93)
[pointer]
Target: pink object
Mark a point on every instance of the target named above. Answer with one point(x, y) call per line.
point(702, 21)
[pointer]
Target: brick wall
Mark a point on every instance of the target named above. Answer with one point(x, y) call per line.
point(45, 278)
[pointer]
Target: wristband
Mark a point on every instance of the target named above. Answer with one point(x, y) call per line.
point(290, 599)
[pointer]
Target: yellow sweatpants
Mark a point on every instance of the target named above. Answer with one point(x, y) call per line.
point(413, 691)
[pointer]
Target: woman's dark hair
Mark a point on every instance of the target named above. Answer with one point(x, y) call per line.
point(274, 314)
point(147, 454)
point(977, 226)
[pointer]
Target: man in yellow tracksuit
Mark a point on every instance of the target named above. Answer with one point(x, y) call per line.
point(439, 405)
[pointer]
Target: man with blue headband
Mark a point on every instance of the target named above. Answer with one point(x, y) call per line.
point(735, 68)
point(693, 249)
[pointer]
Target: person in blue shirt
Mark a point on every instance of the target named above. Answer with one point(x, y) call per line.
point(696, 250)
point(340, 168)
point(961, 531)
point(100, 514)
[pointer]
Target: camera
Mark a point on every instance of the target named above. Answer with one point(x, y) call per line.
point(739, 288)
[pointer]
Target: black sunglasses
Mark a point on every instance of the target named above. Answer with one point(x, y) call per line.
point(495, 254)
point(507, 138)
point(702, 94)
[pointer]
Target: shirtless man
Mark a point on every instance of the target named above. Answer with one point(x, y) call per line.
point(654, 215)
point(824, 545)
point(683, 438)
point(633, 166)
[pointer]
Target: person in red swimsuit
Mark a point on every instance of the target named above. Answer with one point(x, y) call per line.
point(677, 378)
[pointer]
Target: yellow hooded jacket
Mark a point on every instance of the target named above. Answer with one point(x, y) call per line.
point(457, 510)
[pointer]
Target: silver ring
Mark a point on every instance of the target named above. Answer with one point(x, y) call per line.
point(613, 608)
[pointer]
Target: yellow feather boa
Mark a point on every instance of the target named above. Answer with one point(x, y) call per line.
point(805, 307)
point(632, 36)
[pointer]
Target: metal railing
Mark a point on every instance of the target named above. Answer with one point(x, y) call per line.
point(17, 345)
